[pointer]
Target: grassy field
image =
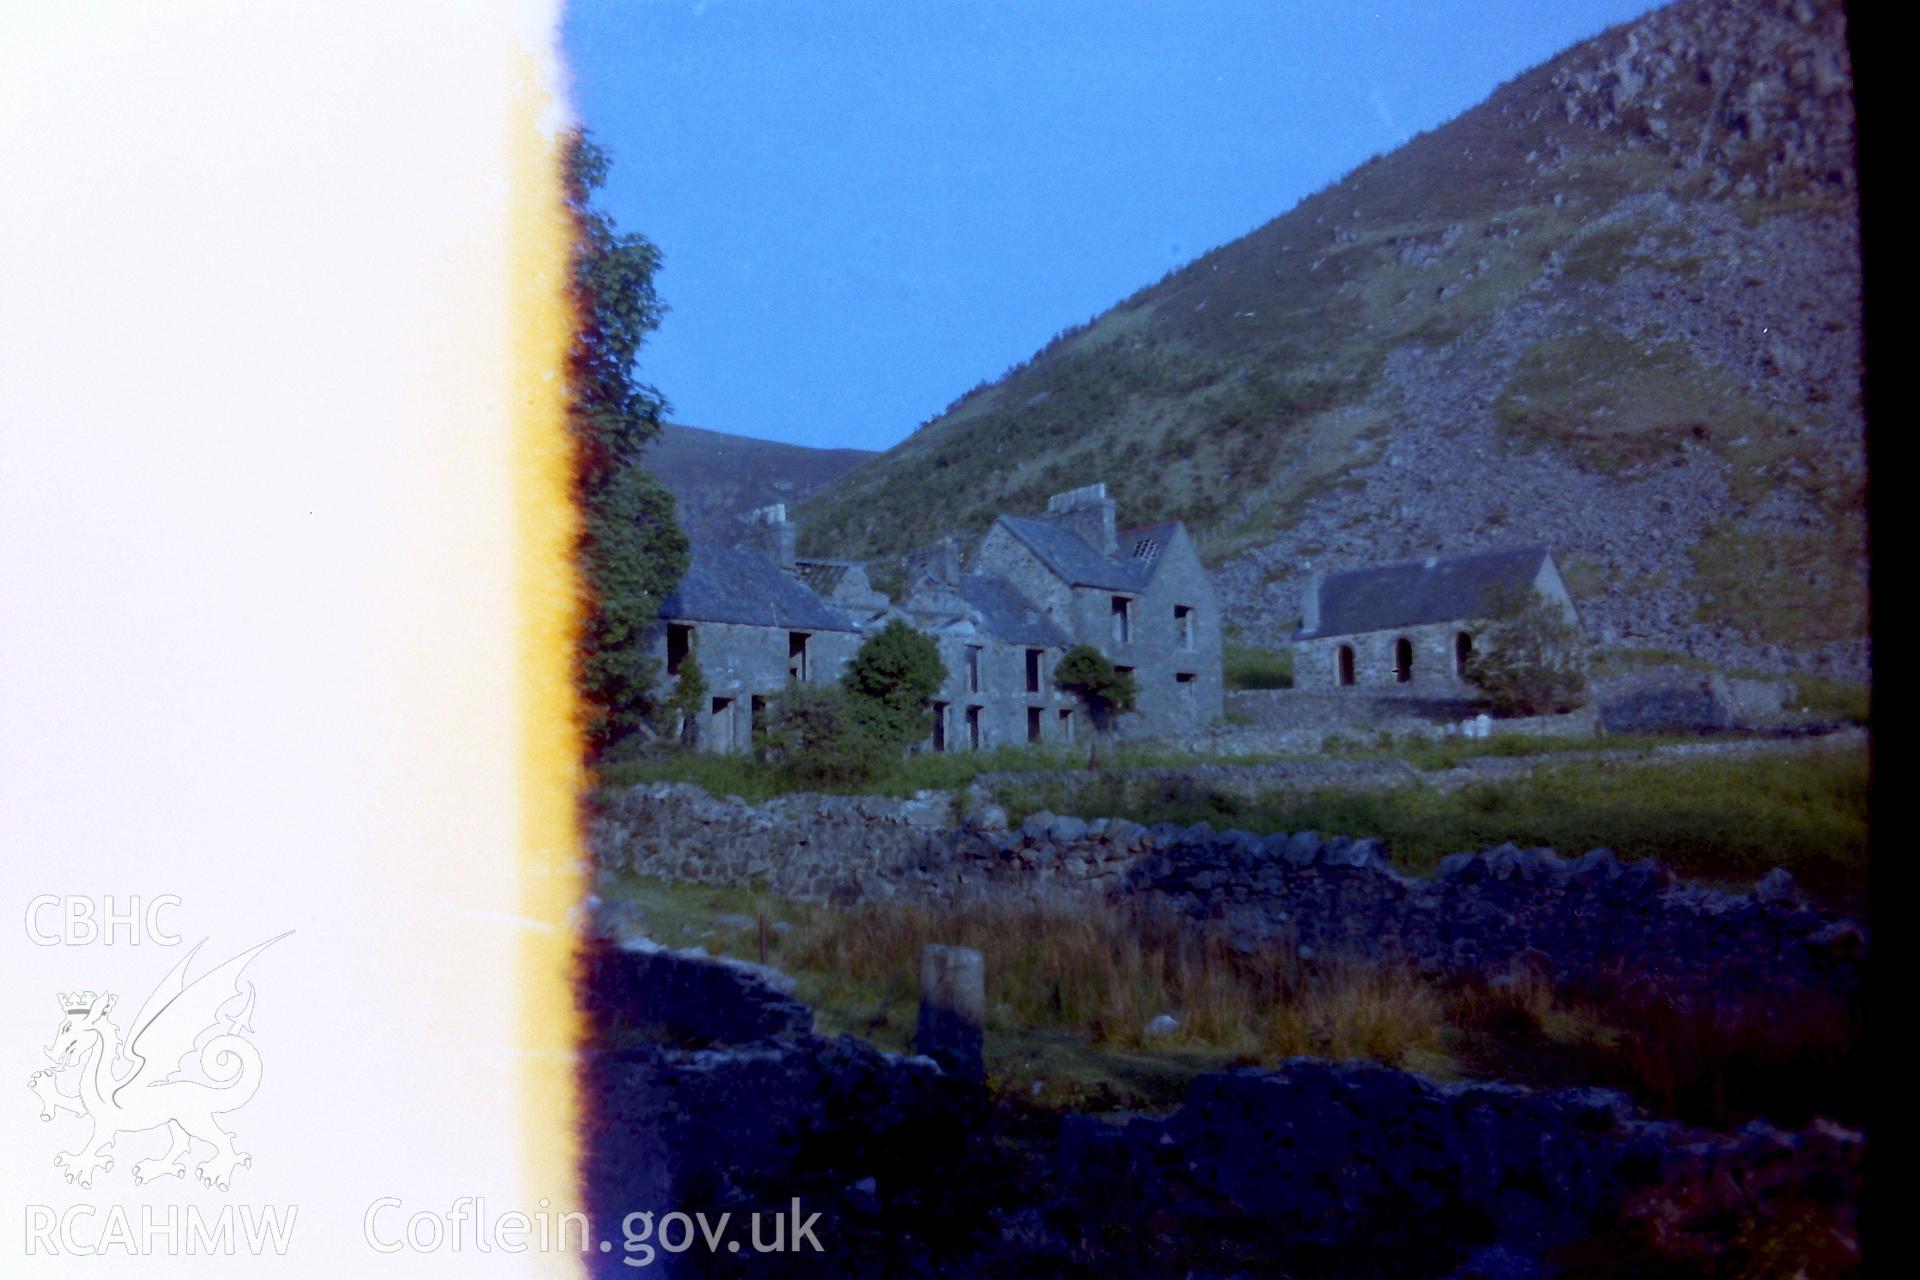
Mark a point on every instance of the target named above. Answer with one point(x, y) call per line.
point(743, 776)
point(1719, 819)
point(1071, 990)
point(1847, 700)
point(1430, 755)
point(755, 781)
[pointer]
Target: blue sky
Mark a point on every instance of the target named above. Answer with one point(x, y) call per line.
point(868, 206)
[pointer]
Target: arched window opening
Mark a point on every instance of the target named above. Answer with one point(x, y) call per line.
point(1402, 660)
point(1343, 664)
point(1462, 653)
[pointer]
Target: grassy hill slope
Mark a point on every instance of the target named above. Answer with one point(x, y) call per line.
point(1614, 308)
point(714, 477)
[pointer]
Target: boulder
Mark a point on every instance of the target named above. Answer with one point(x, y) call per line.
point(1067, 830)
point(1161, 1026)
point(1777, 886)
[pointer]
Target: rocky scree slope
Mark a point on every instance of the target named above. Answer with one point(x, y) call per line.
point(1614, 308)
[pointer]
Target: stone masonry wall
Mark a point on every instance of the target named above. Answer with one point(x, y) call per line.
point(1592, 922)
point(1433, 659)
point(742, 663)
point(706, 1086)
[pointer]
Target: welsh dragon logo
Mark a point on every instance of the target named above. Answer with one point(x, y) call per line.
point(181, 1064)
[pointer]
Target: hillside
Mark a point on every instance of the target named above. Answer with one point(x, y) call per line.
point(715, 476)
point(1614, 308)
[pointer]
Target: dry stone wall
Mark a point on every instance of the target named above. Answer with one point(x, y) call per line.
point(1593, 921)
point(707, 1087)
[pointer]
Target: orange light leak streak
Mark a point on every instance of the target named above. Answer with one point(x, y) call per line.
point(551, 770)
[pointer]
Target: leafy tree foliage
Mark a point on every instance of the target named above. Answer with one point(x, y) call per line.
point(631, 551)
point(1533, 659)
point(891, 680)
point(818, 739)
point(689, 699)
point(1104, 691)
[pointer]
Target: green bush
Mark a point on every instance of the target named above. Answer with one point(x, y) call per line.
point(817, 738)
point(1103, 689)
point(688, 701)
point(1534, 658)
point(890, 680)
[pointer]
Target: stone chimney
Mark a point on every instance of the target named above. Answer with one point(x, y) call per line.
point(771, 533)
point(1310, 602)
point(937, 562)
point(1089, 512)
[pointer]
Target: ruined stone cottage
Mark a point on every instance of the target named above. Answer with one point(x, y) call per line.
point(762, 617)
point(1412, 624)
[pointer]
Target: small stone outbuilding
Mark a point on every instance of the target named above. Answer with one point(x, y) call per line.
point(1414, 624)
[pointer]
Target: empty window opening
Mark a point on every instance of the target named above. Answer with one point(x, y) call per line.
point(679, 645)
point(1343, 665)
point(1462, 653)
point(1122, 620)
point(939, 726)
point(1033, 670)
point(973, 668)
point(1183, 626)
point(757, 709)
point(1034, 722)
point(1066, 724)
point(722, 724)
point(1402, 660)
point(975, 738)
point(799, 666)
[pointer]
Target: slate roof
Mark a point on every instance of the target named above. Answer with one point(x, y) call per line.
point(1073, 558)
point(824, 576)
point(727, 584)
point(1145, 546)
point(1407, 594)
point(1008, 615)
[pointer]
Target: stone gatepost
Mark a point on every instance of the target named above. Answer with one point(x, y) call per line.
point(953, 1009)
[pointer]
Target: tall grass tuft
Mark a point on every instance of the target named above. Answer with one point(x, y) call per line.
point(1106, 973)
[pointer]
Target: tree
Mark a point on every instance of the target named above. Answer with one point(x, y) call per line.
point(817, 739)
point(631, 551)
point(1104, 691)
point(1534, 657)
point(891, 681)
point(689, 699)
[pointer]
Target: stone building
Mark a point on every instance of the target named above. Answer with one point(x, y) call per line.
point(761, 617)
point(1412, 625)
point(1141, 596)
point(756, 627)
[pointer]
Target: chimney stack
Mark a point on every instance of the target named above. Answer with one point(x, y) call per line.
point(772, 534)
point(937, 562)
point(1310, 602)
point(1090, 513)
